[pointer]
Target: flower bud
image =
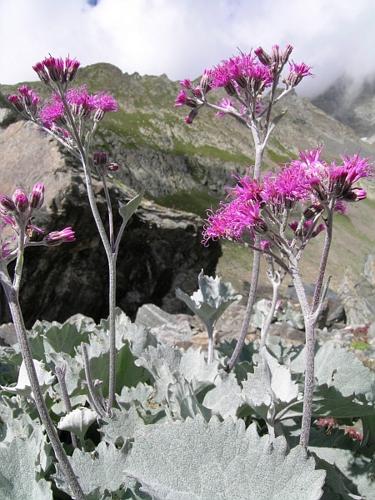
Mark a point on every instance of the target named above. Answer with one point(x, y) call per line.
point(100, 158)
point(312, 211)
point(7, 205)
point(355, 194)
point(190, 117)
point(230, 89)
point(265, 245)
point(318, 230)
point(55, 238)
point(205, 82)
point(20, 200)
point(113, 167)
point(37, 196)
point(263, 57)
point(260, 226)
point(17, 102)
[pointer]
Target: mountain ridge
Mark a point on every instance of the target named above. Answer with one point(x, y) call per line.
point(188, 167)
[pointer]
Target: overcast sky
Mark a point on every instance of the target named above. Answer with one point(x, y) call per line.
point(182, 37)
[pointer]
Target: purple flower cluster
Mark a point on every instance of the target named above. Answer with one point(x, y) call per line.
point(253, 205)
point(16, 212)
point(56, 69)
point(244, 77)
point(57, 74)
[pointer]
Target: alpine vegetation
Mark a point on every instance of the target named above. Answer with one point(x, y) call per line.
point(114, 410)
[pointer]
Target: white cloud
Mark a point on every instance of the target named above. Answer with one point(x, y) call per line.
point(183, 37)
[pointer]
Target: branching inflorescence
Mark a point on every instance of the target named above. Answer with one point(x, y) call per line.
point(71, 115)
point(251, 82)
point(279, 214)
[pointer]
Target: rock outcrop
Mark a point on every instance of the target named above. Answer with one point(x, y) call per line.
point(161, 247)
point(358, 295)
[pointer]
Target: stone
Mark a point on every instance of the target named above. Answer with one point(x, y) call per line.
point(287, 332)
point(8, 334)
point(332, 311)
point(358, 298)
point(369, 269)
point(161, 248)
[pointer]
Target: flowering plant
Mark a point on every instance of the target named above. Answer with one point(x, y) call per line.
point(169, 407)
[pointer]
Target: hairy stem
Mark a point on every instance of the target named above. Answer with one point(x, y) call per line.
point(310, 323)
point(15, 310)
point(249, 308)
point(309, 383)
point(309, 356)
point(60, 374)
point(211, 342)
point(323, 260)
point(93, 398)
point(267, 322)
point(108, 245)
point(255, 269)
point(112, 333)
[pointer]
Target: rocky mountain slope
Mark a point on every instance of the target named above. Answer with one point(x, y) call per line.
point(188, 167)
point(352, 105)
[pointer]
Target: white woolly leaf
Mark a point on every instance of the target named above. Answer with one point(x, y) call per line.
point(225, 398)
point(121, 426)
point(195, 460)
point(211, 299)
point(19, 464)
point(99, 470)
point(77, 421)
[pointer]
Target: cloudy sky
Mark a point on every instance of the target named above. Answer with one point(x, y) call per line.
point(182, 37)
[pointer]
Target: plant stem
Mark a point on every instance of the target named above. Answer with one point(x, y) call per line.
point(112, 333)
point(267, 322)
point(309, 382)
point(15, 310)
point(259, 149)
point(93, 398)
point(60, 374)
point(211, 341)
point(324, 259)
point(249, 309)
point(108, 245)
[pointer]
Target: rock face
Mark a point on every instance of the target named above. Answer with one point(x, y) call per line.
point(161, 247)
point(358, 296)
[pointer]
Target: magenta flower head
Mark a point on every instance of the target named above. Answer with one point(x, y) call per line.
point(296, 73)
point(26, 100)
point(52, 113)
point(36, 197)
point(80, 101)
point(20, 200)
point(103, 103)
point(343, 177)
point(55, 238)
point(56, 69)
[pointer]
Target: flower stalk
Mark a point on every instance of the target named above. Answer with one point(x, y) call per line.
point(11, 289)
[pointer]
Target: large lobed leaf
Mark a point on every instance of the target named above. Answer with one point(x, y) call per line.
point(19, 464)
point(195, 460)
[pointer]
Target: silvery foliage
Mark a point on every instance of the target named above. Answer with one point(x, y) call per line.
point(211, 299)
point(176, 412)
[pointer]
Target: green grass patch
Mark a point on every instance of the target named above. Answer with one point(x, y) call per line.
point(195, 201)
point(359, 345)
point(278, 157)
point(184, 148)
